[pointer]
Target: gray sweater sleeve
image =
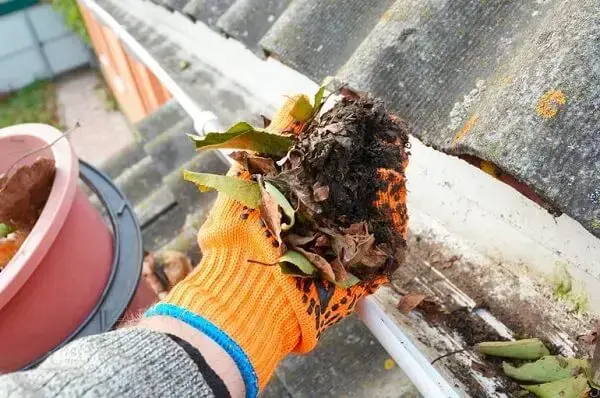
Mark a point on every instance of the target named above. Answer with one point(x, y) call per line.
point(123, 363)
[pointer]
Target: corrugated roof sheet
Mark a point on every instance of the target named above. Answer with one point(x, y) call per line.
point(516, 83)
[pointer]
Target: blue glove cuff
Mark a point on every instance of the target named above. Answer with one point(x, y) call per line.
point(220, 337)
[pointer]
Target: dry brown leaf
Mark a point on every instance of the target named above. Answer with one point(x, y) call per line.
point(352, 246)
point(24, 193)
point(450, 262)
point(264, 166)
point(319, 262)
point(363, 248)
point(357, 229)
point(297, 240)
point(410, 301)
point(322, 241)
point(148, 274)
point(339, 270)
point(321, 192)
point(240, 157)
point(294, 179)
point(589, 338)
point(254, 164)
point(375, 258)
point(175, 265)
point(266, 121)
point(269, 212)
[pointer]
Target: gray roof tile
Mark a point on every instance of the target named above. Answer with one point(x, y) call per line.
point(487, 79)
point(207, 11)
point(249, 20)
point(174, 4)
point(317, 37)
point(513, 83)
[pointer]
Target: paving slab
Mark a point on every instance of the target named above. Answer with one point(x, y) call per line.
point(102, 132)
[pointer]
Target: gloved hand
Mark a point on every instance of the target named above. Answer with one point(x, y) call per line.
point(257, 313)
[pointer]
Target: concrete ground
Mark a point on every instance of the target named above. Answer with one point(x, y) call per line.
point(103, 132)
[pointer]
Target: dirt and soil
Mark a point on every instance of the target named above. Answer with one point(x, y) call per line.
point(526, 308)
point(334, 172)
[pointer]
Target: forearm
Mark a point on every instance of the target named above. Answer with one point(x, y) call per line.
point(213, 354)
point(134, 362)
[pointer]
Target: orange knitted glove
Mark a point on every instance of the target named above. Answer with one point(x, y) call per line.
point(255, 312)
point(267, 313)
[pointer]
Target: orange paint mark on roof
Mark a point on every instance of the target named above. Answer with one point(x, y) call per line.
point(466, 128)
point(551, 103)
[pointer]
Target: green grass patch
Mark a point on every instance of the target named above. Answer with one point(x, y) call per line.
point(35, 103)
point(72, 17)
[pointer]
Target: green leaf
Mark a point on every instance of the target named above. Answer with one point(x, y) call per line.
point(520, 349)
point(299, 261)
point(5, 229)
point(320, 95)
point(548, 368)
point(291, 269)
point(283, 203)
point(246, 192)
point(573, 387)
point(302, 110)
point(350, 280)
point(183, 65)
point(243, 136)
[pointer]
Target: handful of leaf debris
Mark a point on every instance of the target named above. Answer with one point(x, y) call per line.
point(329, 186)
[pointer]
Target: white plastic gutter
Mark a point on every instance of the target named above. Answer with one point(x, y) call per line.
point(408, 357)
point(202, 118)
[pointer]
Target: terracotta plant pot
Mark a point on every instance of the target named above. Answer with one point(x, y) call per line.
point(60, 273)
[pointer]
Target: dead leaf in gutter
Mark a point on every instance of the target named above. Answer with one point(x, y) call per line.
point(546, 369)
point(573, 387)
point(519, 349)
point(450, 262)
point(156, 284)
point(410, 301)
point(589, 338)
point(389, 364)
point(175, 265)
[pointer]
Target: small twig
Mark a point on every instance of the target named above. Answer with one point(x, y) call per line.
point(449, 354)
point(33, 152)
point(261, 263)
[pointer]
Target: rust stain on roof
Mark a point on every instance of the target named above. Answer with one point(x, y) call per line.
point(551, 103)
point(466, 128)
